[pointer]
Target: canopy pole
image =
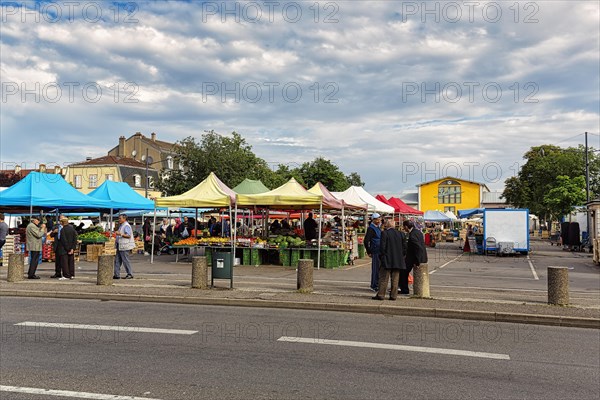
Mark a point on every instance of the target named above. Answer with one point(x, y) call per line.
point(343, 229)
point(153, 233)
point(320, 223)
point(232, 227)
point(231, 236)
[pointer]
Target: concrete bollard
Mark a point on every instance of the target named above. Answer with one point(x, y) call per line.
point(106, 270)
point(558, 286)
point(199, 272)
point(421, 281)
point(305, 275)
point(16, 267)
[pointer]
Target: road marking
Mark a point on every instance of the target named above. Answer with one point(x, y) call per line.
point(535, 275)
point(107, 328)
point(68, 393)
point(434, 350)
point(442, 266)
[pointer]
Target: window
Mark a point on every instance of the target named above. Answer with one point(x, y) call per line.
point(77, 182)
point(150, 182)
point(452, 208)
point(137, 181)
point(449, 192)
point(170, 162)
point(110, 177)
point(93, 180)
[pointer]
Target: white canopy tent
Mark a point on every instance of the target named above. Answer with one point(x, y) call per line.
point(359, 197)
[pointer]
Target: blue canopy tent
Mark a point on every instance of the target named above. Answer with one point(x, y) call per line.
point(47, 192)
point(469, 212)
point(436, 216)
point(121, 196)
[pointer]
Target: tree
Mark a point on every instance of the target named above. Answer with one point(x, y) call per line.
point(230, 157)
point(565, 195)
point(540, 175)
point(354, 179)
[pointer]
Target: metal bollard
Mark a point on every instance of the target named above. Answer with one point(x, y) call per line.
point(305, 275)
point(421, 281)
point(558, 286)
point(16, 267)
point(106, 268)
point(199, 272)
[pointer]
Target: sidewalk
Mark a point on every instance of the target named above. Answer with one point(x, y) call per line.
point(345, 289)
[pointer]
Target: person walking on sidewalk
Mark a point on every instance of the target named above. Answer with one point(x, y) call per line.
point(392, 260)
point(65, 250)
point(34, 234)
point(125, 243)
point(416, 254)
point(372, 246)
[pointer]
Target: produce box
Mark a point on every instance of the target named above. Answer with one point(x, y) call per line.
point(94, 251)
point(361, 251)
point(295, 256)
point(284, 257)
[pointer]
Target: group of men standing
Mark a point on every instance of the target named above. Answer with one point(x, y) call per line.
point(394, 254)
point(64, 245)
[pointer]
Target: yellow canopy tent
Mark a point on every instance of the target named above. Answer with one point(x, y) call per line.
point(289, 195)
point(211, 192)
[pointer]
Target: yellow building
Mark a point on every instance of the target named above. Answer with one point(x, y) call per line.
point(450, 194)
point(88, 175)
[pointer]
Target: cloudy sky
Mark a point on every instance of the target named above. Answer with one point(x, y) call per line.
point(398, 91)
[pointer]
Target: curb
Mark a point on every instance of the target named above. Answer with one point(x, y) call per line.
point(489, 316)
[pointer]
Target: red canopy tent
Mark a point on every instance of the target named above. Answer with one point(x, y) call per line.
point(399, 206)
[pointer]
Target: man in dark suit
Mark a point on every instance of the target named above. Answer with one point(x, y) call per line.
point(55, 234)
point(416, 254)
point(66, 249)
point(392, 260)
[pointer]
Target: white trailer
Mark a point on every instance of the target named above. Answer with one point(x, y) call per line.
point(506, 231)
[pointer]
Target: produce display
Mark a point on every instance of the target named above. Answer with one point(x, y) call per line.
point(283, 242)
point(192, 241)
point(93, 236)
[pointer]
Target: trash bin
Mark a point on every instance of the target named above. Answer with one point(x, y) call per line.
point(222, 267)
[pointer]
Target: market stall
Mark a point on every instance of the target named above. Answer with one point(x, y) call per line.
point(210, 193)
point(290, 195)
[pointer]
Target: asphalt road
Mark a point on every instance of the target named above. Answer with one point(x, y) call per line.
point(242, 353)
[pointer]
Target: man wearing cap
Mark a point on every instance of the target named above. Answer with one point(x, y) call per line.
point(372, 244)
point(34, 234)
point(65, 249)
point(125, 243)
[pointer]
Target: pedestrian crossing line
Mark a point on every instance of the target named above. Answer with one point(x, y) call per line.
point(443, 265)
point(68, 393)
point(106, 328)
point(535, 275)
point(385, 346)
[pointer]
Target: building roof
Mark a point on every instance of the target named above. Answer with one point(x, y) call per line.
point(409, 197)
point(455, 178)
point(111, 160)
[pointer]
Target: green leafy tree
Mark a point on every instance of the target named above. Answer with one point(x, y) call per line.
point(354, 179)
point(565, 195)
point(539, 175)
point(230, 157)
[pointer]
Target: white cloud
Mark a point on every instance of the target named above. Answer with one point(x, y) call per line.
point(363, 63)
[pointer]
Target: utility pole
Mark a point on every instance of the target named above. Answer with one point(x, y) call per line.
point(587, 186)
point(147, 169)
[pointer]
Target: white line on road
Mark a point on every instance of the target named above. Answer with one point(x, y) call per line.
point(535, 275)
point(442, 266)
point(107, 328)
point(385, 346)
point(68, 393)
